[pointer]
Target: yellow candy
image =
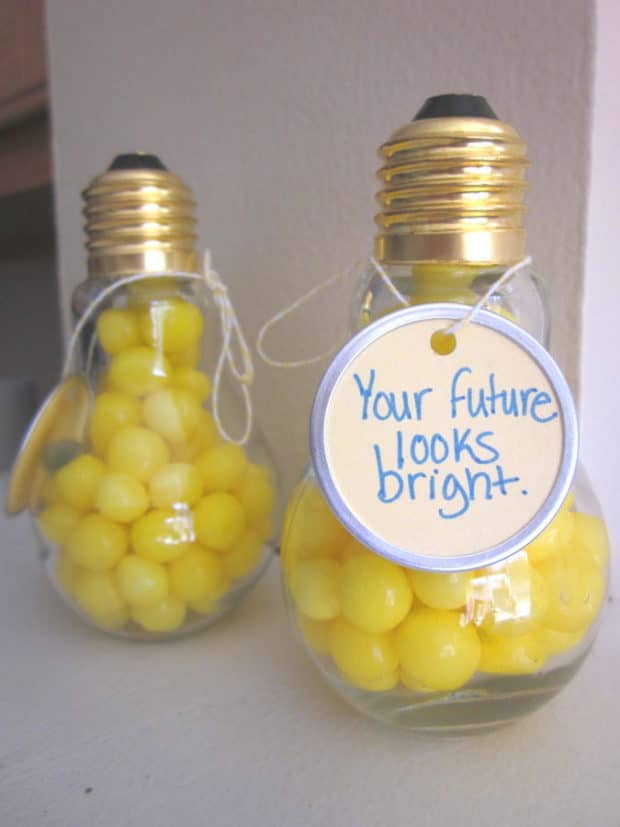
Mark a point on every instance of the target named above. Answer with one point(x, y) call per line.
point(590, 539)
point(57, 522)
point(441, 591)
point(437, 649)
point(222, 467)
point(171, 325)
point(512, 656)
point(556, 643)
point(316, 586)
point(111, 412)
point(517, 598)
point(139, 371)
point(141, 582)
point(117, 330)
point(556, 538)
point(137, 452)
point(96, 543)
point(176, 484)
point(165, 616)
point(162, 535)
point(374, 593)
point(354, 549)
point(98, 596)
point(66, 572)
point(76, 482)
point(315, 633)
point(255, 493)
point(49, 494)
point(576, 591)
point(263, 527)
point(413, 683)
point(174, 414)
point(219, 521)
point(204, 437)
point(186, 358)
point(310, 527)
point(381, 684)
point(121, 497)
point(244, 556)
point(361, 656)
point(198, 576)
point(194, 381)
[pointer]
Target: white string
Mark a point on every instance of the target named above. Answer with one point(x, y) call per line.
point(389, 283)
point(282, 314)
point(505, 277)
point(382, 273)
point(231, 331)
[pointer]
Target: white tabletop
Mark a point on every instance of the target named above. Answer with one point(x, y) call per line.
point(234, 727)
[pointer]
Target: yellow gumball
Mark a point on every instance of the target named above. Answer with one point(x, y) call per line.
point(205, 436)
point(310, 528)
point(164, 616)
point(374, 593)
point(244, 556)
point(198, 576)
point(512, 656)
point(556, 643)
point(590, 539)
point(141, 582)
point(139, 371)
point(413, 683)
point(172, 325)
point(517, 598)
point(96, 594)
point(175, 414)
point(138, 452)
point(111, 412)
point(194, 381)
point(162, 535)
point(66, 572)
point(121, 497)
point(316, 588)
point(49, 493)
point(189, 357)
point(219, 520)
point(576, 589)
point(57, 521)
point(77, 481)
point(222, 467)
point(556, 538)
point(361, 656)
point(438, 649)
point(96, 543)
point(381, 684)
point(439, 590)
point(117, 329)
point(315, 633)
point(176, 484)
point(255, 493)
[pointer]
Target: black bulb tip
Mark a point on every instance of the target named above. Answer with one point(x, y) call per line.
point(136, 160)
point(455, 106)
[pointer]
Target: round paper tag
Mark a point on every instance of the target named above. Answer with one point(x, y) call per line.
point(444, 461)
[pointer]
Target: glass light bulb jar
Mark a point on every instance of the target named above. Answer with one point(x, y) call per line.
point(153, 523)
point(445, 652)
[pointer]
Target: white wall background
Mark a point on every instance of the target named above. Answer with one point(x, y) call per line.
point(273, 111)
point(600, 363)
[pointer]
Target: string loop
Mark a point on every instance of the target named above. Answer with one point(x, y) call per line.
point(232, 336)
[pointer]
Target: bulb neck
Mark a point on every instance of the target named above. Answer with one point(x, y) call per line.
point(140, 218)
point(452, 191)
